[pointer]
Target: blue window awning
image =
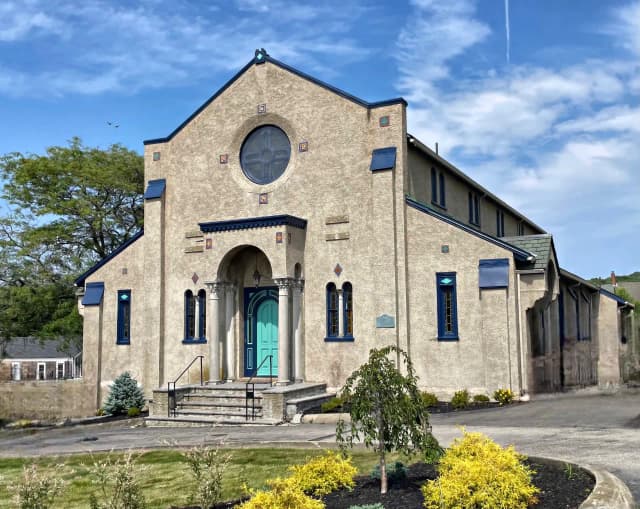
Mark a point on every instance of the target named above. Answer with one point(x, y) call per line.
point(155, 188)
point(93, 294)
point(383, 159)
point(494, 273)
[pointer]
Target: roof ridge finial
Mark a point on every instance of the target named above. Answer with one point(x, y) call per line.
point(261, 55)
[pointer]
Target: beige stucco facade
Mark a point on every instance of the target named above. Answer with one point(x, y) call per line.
point(328, 219)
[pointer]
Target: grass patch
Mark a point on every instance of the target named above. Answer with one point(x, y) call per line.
point(167, 480)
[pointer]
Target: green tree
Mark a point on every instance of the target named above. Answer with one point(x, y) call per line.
point(66, 210)
point(124, 394)
point(386, 411)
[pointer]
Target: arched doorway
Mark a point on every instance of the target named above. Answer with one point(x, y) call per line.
point(261, 331)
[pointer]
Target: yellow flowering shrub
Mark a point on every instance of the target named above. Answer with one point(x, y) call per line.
point(283, 495)
point(324, 474)
point(475, 472)
point(503, 396)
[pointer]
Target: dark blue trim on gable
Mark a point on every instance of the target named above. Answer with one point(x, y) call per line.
point(267, 58)
point(81, 279)
point(254, 222)
point(520, 254)
point(383, 159)
point(155, 189)
point(615, 297)
point(93, 294)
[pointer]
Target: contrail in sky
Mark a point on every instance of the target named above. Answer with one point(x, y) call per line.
point(506, 24)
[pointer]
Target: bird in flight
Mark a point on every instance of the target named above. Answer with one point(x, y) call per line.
point(113, 124)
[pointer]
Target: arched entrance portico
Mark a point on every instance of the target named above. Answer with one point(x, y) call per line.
point(255, 318)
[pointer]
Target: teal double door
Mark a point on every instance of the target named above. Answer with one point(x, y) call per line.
point(260, 331)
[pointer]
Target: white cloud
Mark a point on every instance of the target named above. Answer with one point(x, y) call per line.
point(118, 47)
point(18, 20)
point(560, 143)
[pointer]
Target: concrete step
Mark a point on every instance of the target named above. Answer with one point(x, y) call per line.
point(223, 413)
point(218, 399)
point(200, 421)
point(217, 408)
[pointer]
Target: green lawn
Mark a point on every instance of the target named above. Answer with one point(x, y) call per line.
point(167, 479)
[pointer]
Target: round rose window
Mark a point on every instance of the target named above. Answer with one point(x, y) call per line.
point(265, 154)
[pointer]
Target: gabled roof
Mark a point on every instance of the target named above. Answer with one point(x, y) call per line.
point(413, 141)
point(33, 348)
point(260, 58)
point(520, 254)
point(81, 279)
point(540, 245)
point(573, 277)
point(621, 302)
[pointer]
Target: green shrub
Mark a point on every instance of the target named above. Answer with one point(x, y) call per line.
point(395, 472)
point(134, 411)
point(503, 396)
point(460, 399)
point(124, 394)
point(332, 404)
point(429, 398)
point(477, 472)
point(37, 490)
point(100, 412)
point(481, 398)
point(118, 485)
point(208, 466)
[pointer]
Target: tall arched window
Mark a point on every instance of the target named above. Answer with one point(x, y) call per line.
point(202, 314)
point(347, 308)
point(333, 322)
point(189, 315)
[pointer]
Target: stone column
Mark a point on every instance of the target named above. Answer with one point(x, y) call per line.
point(230, 358)
point(213, 324)
point(298, 359)
point(284, 338)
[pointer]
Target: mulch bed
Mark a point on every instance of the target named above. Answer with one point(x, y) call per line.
point(559, 489)
point(442, 407)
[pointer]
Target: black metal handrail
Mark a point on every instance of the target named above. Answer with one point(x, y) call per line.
point(252, 393)
point(171, 394)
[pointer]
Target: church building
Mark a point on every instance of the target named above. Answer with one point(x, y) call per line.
point(291, 227)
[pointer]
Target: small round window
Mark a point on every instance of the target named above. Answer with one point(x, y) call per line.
point(265, 154)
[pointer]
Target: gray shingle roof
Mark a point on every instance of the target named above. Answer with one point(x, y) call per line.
point(540, 245)
point(32, 348)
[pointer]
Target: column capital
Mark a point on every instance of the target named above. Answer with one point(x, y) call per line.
point(284, 283)
point(215, 288)
point(298, 284)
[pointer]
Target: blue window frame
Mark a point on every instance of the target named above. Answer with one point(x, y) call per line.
point(124, 317)
point(438, 188)
point(347, 309)
point(447, 306)
point(333, 325)
point(189, 316)
point(202, 315)
point(434, 186)
point(474, 209)
point(499, 223)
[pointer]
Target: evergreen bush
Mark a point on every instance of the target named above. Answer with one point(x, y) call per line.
point(481, 398)
point(503, 396)
point(429, 399)
point(124, 394)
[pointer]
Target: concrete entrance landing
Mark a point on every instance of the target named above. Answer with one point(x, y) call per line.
point(233, 403)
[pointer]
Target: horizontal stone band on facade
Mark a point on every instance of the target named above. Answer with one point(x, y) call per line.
point(254, 222)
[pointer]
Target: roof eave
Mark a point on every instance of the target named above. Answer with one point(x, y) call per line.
point(459, 173)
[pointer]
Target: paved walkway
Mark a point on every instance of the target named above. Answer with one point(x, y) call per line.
point(601, 430)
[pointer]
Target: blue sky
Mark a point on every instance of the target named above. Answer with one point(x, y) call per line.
point(541, 106)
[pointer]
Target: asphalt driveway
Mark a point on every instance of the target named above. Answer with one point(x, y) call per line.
point(600, 430)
